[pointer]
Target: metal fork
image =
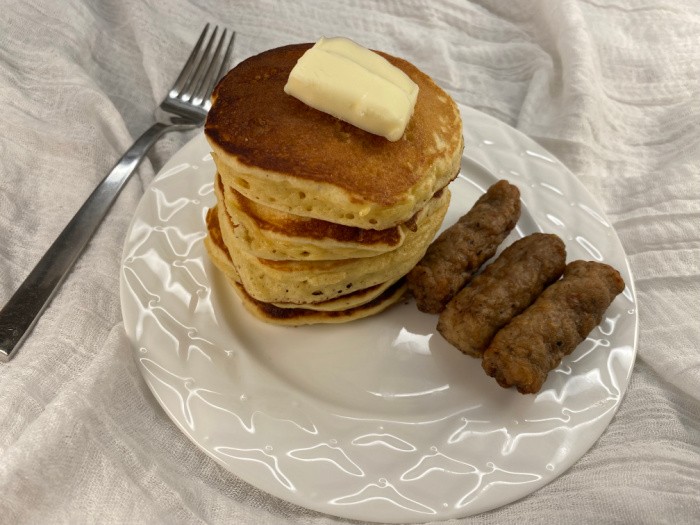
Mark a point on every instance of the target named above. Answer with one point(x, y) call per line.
point(185, 107)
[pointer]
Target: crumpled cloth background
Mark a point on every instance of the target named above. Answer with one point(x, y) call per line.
point(611, 87)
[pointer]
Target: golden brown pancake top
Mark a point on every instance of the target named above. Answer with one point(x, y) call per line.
point(253, 119)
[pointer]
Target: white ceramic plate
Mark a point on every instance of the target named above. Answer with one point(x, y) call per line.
point(378, 419)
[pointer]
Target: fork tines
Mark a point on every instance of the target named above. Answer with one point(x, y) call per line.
point(204, 67)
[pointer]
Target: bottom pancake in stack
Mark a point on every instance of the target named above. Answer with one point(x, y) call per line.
point(247, 243)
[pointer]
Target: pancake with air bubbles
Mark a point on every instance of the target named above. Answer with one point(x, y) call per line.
point(220, 256)
point(301, 282)
point(279, 152)
point(347, 308)
point(302, 316)
point(272, 234)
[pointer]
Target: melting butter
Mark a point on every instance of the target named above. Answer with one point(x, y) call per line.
point(356, 85)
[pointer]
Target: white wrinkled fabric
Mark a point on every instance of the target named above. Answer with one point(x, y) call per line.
point(612, 87)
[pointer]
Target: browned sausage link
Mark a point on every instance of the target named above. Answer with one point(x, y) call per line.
point(524, 351)
point(455, 256)
point(503, 290)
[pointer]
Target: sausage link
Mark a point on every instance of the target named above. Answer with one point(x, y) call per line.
point(524, 351)
point(456, 255)
point(504, 289)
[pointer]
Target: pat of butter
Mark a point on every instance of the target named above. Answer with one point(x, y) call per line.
point(356, 85)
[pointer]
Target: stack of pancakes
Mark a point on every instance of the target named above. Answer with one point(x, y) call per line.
point(316, 220)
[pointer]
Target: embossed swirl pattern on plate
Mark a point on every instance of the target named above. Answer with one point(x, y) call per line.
point(378, 419)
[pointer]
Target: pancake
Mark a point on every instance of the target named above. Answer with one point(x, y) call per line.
point(281, 153)
point(300, 316)
point(271, 234)
point(220, 256)
point(302, 282)
point(354, 306)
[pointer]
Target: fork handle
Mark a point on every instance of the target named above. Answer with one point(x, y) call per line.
point(24, 308)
